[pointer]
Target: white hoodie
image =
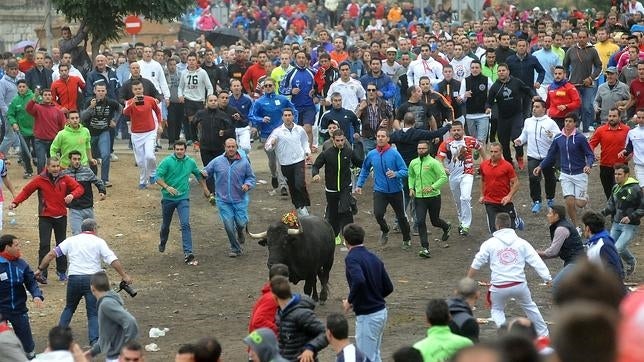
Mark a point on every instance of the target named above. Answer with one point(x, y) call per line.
point(534, 133)
point(507, 255)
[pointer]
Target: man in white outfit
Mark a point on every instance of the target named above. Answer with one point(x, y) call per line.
point(153, 71)
point(507, 255)
point(351, 89)
point(425, 66)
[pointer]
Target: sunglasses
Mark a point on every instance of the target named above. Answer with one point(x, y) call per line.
point(371, 89)
point(269, 85)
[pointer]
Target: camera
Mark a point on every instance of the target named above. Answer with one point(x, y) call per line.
point(138, 100)
point(128, 289)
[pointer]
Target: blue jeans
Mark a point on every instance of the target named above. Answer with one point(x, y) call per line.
point(369, 330)
point(76, 217)
point(77, 288)
point(623, 234)
point(22, 328)
point(587, 112)
point(234, 216)
point(101, 149)
point(42, 153)
point(368, 145)
point(562, 274)
point(183, 209)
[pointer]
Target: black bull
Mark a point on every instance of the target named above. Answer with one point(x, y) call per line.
point(308, 252)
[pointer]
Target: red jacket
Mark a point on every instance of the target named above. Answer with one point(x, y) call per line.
point(48, 120)
point(65, 92)
point(251, 77)
point(612, 142)
point(141, 117)
point(566, 95)
point(263, 314)
point(53, 192)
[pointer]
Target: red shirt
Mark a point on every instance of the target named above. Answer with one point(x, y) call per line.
point(496, 180)
point(263, 313)
point(53, 192)
point(612, 142)
point(65, 92)
point(567, 95)
point(142, 118)
point(250, 80)
point(48, 120)
point(637, 91)
point(25, 65)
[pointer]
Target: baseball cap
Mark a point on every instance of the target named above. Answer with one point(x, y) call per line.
point(263, 342)
point(392, 50)
point(611, 70)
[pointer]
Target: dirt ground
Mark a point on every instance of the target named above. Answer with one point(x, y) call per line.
point(215, 297)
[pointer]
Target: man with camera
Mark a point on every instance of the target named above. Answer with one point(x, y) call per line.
point(84, 252)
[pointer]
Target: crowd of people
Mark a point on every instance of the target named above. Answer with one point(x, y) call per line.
point(360, 91)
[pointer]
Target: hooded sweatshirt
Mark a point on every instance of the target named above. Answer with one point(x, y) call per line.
point(534, 133)
point(48, 120)
point(626, 200)
point(71, 139)
point(573, 151)
point(116, 326)
point(507, 255)
point(17, 114)
point(462, 322)
point(8, 92)
point(600, 249)
point(264, 343)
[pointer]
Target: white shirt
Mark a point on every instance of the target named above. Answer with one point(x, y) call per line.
point(461, 67)
point(507, 255)
point(635, 8)
point(351, 91)
point(534, 133)
point(72, 71)
point(421, 67)
point(153, 71)
point(85, 252)
point(636, 136)
point(292, 145)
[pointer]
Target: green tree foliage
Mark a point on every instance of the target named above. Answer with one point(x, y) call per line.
point(104, 18)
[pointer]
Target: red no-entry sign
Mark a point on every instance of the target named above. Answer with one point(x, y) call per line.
point(133, 25)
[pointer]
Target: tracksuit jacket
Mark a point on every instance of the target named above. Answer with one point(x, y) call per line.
point(85, 177)
point(13, 296)
point(534, 133)
point(53, 191)
point(509, 96)
point(600, 249)
point(626, 200)
point(562, 93)
point(569, 148)
point(337, 163)
point(381, 161)
point(235, 174)
point(383, 83)
point(94, 77)
point(302, 78)
point(424, 172)
point(17, 114)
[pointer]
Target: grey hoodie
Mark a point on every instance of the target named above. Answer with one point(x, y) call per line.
point(116, 326)
point(8, 91)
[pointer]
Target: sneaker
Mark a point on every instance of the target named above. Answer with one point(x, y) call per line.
point(241, 237)
point(61, 276)
point(338, 240)
point(446, 232)
point(273, 192)
point(143, 186)
point(283, 191)
point(520, 223)
point(476, 155)
point(536, 207)
point(189, 258)
point(27, 175)
point(232, 254)
point(153, 180)
point(396, 228)
point(161, 247)
point(113, 157)
point(31, 355)
point(463, 231)
point(107, 184)
point(414, 231)
point(406, 244)
point(521, 164)
point(274, 182)
point(551, 202)
point(630, 268)
point(424, 253)
point(384, 238)
point(41, 279)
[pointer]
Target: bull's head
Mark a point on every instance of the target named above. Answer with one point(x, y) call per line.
point(276, 239)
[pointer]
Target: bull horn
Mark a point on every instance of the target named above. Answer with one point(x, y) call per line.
point(257, 236)
point(294, 231)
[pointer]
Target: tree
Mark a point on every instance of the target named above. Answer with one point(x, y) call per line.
point(104, 18)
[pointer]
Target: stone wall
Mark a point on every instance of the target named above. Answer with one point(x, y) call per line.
point(19, 20)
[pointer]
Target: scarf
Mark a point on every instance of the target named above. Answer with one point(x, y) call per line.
point(558, 84)
point(383, 149)
point(8, 256)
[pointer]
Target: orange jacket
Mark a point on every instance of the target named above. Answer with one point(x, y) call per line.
point(65, 93)
point(565, 94)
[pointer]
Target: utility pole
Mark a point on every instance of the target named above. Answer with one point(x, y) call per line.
point(48, 34)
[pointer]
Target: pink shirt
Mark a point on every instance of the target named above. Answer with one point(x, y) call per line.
point(623, 60)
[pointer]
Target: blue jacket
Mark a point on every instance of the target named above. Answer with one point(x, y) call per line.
point(302, 78)
point(271, 105)
point(381, 162)
point(243, 104)
point(608, 252)
point(15, 276)
point(383, 84)
point(94, 77)
point(369, 283)
point(229, 177)
point(574, 153)
point(524, 68)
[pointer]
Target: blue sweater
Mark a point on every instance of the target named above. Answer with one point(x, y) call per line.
point(369, 283)
point(381, 162)
point(243, 104)
point(230, 176)
point(15, 276)
point(304, 80)
point(574, 153)
point(271, 105)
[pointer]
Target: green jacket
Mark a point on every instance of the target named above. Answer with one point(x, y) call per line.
point(176, 173)
point(491, 73)
point(425, 172)
point(68, 140)
point(17, 113)
point(440, 344)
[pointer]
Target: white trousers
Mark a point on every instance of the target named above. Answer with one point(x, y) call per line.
point(243, 138)
point(143, 145)
point(461, 187)
point(499, 298)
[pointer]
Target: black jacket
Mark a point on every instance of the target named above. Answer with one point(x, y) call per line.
point(572, 247)
point(509, 96)
point(329, 158)
point(448, 93)
point(94, 77)
point(463, 322)
point(299, 328)
point(478, 85)
point(210, 122)
point(42, 78)
point(524, 68)
point(626, 200)
point(503, 53)
point(349, 123)
point(125, 92)
point(406, 141)
point(86, 178)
